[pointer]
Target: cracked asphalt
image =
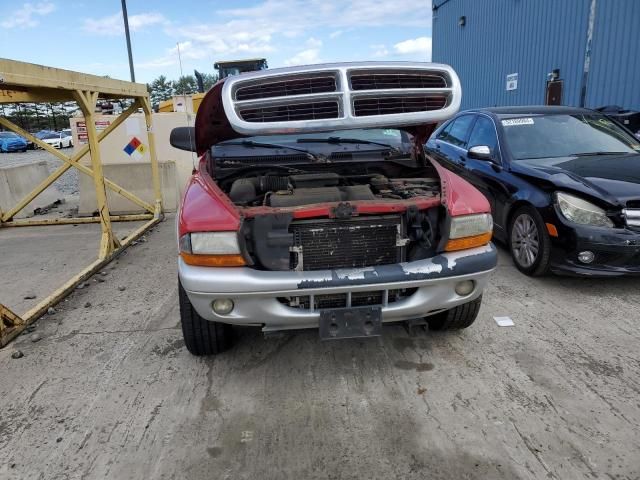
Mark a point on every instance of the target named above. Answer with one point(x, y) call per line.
point(109, 391)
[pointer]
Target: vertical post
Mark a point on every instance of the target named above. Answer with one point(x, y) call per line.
point(125, 17)
point(87, 102)
point(155, 171)
point(587, 54)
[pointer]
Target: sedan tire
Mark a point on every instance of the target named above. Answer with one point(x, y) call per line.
point(202, 337)
point(456, 318)
point(529, 242)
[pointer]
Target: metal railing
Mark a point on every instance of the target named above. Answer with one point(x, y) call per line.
point(24, 82)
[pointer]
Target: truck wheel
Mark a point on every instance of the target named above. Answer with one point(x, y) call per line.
point(456, 318)
point(201, 336)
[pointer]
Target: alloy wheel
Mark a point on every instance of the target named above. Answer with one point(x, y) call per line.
point(525, 240)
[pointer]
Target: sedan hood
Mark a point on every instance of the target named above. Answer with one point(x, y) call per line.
point(615, 179)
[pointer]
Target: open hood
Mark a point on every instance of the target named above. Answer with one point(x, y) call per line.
point(403, 95)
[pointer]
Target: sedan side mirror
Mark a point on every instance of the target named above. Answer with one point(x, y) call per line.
point(480, 152)
point(183, 138)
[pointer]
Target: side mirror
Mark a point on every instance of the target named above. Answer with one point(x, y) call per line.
point(480, 152)
point(183, 138)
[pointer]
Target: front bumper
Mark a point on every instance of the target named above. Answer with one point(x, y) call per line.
point(617, 251)
point(257, 294)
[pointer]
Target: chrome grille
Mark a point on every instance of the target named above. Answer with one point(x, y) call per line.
point(288, 87)
point(292, 112)
point(381, 81)
point(632, 216)
point(340, 96)
point(364, 107)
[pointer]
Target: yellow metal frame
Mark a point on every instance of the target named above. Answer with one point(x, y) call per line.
point(25, 82)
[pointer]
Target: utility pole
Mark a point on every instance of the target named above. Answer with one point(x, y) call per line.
point(126, 32)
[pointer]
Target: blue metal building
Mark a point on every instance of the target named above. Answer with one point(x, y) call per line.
point(532, 52)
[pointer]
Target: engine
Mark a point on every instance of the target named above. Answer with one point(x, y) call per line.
point(306, 189)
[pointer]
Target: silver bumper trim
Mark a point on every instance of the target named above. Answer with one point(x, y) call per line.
point(255, 293)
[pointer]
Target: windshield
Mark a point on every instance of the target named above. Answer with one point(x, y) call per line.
point(7, 135)
point(391, 138)
point(548, 136)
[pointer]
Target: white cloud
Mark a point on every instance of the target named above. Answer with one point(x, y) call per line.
point(114, 24)
point(304, 14)
point(379, 50)
point(26, 16)
point(420, 46)
point(305, 57)
point(282, 25)
point(314, 43)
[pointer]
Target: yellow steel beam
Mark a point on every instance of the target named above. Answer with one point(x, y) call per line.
point(9, 323)
point(21, 74)
point(155, 172)
point(76, 220)
point(72, 161)
point(109, 242)
point(8, 334)
point(34, 95)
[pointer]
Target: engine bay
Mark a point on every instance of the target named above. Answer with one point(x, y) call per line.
point(310, 188)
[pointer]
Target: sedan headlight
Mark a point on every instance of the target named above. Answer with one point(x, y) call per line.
point(580, 211)
point(211, 249)
point(468, 231)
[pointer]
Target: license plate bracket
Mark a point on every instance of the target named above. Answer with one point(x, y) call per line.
point(350, 322)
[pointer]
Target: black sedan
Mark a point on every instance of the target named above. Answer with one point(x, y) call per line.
point(563, 183)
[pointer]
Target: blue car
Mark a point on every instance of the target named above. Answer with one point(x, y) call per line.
point(10, 142)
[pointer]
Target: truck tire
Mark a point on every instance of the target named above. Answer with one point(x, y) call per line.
point(456, 318)
point(202, 337)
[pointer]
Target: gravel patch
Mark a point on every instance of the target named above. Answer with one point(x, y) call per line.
point(67, 184)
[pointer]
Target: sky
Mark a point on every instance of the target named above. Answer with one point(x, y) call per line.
point(88, 36)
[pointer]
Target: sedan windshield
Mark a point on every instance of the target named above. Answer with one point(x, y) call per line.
point(552, 136)
point(8, 135)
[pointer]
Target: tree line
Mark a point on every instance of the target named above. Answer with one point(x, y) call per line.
point(34, 117)
point(162, 89)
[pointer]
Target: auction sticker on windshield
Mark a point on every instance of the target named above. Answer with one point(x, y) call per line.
point(517, 121)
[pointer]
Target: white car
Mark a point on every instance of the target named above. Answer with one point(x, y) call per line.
point(59, 139)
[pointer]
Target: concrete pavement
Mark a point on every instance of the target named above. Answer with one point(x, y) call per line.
point(111, 392)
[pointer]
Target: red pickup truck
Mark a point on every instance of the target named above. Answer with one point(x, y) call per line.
point(315, 206)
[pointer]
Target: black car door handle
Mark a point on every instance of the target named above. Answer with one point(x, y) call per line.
point(462, 159)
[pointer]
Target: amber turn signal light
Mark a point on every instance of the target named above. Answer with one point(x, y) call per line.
point(468, 242)
point(213, 260)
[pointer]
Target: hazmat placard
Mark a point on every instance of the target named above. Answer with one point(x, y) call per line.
point(81, 129)
point(135, 148)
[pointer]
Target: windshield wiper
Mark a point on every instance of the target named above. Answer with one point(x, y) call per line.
point(251, 143)
point(594, 154)
point(338, 140)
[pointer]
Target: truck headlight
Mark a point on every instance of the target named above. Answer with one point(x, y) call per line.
point(468, 231)
point(580, 211)
point(211, 249)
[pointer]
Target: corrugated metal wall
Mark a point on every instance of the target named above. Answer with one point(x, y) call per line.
point(614, 78)
point(534, 37)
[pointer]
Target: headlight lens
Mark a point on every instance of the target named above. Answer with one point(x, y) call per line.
point(471, 225)
point(469, 231)
point(210, 243)
point(581, 212)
